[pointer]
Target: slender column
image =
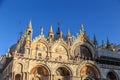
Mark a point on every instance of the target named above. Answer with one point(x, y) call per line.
point(24, 76)
point(21, 76)
point(13, 75)
point(28, 74)
point(51, 77)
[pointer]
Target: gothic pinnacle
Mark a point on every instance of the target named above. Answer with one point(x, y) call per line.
point(51, 30)
point(68, 33)
point(95, 40)
point(82, 27)
point(30, 24)
point(41, 30)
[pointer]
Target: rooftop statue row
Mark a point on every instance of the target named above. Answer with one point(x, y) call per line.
point(68, 39)
point(82, 36)
point(74, 49)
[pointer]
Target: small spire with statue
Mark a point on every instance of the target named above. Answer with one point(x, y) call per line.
point(50, 34)
point(83, 34)
point(41, 31)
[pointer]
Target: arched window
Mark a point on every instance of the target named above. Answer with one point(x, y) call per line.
point(62, 73)
point(112, 76)
point(40, 55)
point(17, 77)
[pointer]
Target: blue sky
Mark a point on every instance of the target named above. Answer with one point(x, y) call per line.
point(101, 17)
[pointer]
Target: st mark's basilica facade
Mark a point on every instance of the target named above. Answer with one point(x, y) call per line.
point(59, 57)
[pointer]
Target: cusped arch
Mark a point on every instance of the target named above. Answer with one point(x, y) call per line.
point(84, 44)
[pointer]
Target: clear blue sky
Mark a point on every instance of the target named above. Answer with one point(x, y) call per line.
point(99, 16)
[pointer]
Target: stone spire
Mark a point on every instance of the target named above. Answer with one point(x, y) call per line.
point(51, 30)
point(95, 41)
point(82, 31)
point(24, 44)
point(68, 35)
point(83, 36)
point(28, 40)
point(41, 30)
point(58, 31)
point(30, 25)
point(108, 43)
point(50, 34)
point(82, 27)
point(57, 35)
point(103, 44)
point(61, 35)
point(29, 31)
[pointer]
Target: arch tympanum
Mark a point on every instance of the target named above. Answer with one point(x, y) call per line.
point(39, 73)
point(89, 72)
point(18, 77)
point(83, 52)
point(62, 73)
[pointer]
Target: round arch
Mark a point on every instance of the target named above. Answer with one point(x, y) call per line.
point(61, 43)
point(64, 66)
point(41, 40)
point(40, 72)
point(89, 46)
point(39, 49)
point(62, 72)
point(88, 71)
point(18, 77)
point(18, 67)
point(112, 75)
point(65, 48)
